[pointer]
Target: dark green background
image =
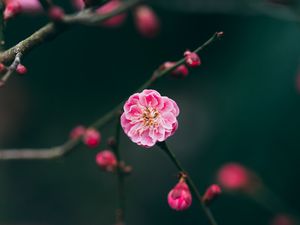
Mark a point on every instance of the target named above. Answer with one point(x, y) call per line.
point(240, 105)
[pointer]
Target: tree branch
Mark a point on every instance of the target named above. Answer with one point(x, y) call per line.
point(59, 151)
point(52, 30)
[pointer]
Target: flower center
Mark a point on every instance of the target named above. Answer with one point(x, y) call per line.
point(150, 117)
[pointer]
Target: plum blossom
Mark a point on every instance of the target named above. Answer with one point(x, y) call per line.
point(149, 117)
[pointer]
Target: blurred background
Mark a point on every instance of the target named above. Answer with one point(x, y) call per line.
point(241, 105)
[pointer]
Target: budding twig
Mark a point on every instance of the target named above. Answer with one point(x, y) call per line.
point(163, 146)
point(52, 30)
point(11, 69)
point(70, 145)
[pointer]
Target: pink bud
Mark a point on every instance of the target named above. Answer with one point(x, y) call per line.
point(211, 193)
point(92, 138)
point(146, 21)
point(180, 72)
point(21, 69)
point(78, 4)
point(192, 59)
point(77, 132)
point(2, 68)
point(233, 176)
point(106, 160)
point(56, 13)
point(180, 198)
point(109, 7)
point(12, 9)
point(282, 219)
point(15, 7)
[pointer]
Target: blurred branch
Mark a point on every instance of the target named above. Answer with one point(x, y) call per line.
point(50, 153)
point(52, 30)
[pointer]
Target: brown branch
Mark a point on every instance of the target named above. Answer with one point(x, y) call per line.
point(55, 152)
point(52, 30)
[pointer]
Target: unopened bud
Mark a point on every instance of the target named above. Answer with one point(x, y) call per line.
point(211, 193)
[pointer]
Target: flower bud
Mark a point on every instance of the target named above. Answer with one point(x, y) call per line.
point(282, 219)
point(233, 176)
point(109, 7)
point(92, 138)
point(77, 132)
point(21, 69)
point(3, 68)
point(106, 160)
point(211, 193)
point(180, 198)
point(179, 72)
point(192, 59)
point(56, 13)
point(14, 7)
point(146, 21)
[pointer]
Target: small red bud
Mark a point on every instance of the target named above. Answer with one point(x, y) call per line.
point(233, 176)
point(109, 7)
point(92, 138)
point(180, 72)
point(180, 198)
point(12, 9)
point(21, 69)
point(146, 21)
point(56, 13)
point(282, 219)
point(77, 132)
point(192, 59)
point(106, 160)
point(211, 193)
point(3, 68)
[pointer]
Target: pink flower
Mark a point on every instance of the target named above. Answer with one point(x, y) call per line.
point(211, 193)
point(180, 198)
point(92, 138)
point(77, 132)
point(192, 59)
point(146, 21)
point(106, 160)
point(14, 7)
point(233, 176)
point(149, 117)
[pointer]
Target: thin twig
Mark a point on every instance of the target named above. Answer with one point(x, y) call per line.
point(11, 69)
point(33, 154)
point(52, 30)
point(120, 212)
point(163, 146)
